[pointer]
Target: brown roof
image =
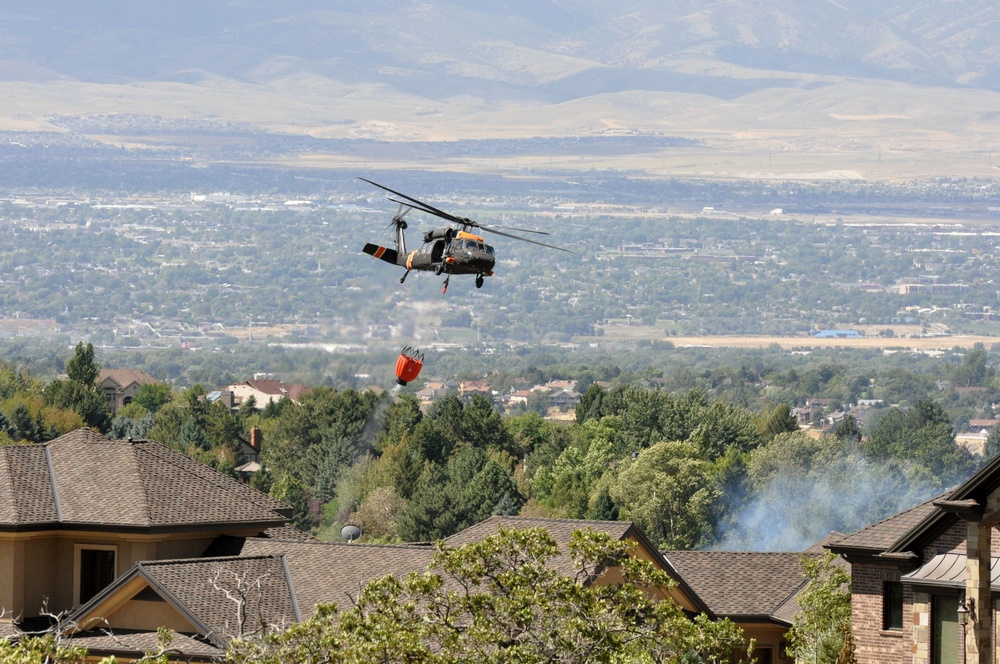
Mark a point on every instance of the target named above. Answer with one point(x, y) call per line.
point(888, 533)
point(196, 588)
point(125, 377)
point(562, 529)
point(741, 584)
point(84, 478)
point(324, 572)
point(559, 529)
point(275, 387)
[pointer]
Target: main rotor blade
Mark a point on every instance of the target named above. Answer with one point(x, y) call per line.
point(418, 204)
point(423, 206)
point(415, 206)
point(519, 230)
point(524, 239)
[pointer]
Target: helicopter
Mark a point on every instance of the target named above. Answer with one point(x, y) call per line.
point(446, 250)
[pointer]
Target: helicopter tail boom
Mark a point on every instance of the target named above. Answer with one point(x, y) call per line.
point(382, 253)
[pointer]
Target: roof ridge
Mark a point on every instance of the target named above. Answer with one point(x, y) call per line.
point(191, 561)
point(146, 508)
point(370, 545)
point(554, 519)
point(53, 483)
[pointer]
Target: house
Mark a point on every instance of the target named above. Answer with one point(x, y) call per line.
point(564, 399)
point(78, 511)
point(468, 388)
point(923, 580)
point(756, 590)
point(250, 450)
point(264, 391)
point(289, 577)
point(128, 536)
point(120, 386)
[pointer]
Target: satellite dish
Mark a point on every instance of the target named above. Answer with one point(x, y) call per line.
point(350, 532)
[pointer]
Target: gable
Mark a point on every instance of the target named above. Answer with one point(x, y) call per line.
point(562, 530)
point(146, 610)
point(197, 595)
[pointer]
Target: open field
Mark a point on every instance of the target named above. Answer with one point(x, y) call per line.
point(636, 333)
point(789, 343)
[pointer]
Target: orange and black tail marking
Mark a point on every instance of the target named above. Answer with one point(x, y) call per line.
point(383, 253)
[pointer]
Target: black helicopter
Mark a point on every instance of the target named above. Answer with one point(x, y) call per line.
point(445, 250)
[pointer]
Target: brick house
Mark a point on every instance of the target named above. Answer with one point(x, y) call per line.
point(922, 580)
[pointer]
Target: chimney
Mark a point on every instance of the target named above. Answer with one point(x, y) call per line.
point(255, 439)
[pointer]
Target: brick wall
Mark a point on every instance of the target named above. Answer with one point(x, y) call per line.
point(873, 644)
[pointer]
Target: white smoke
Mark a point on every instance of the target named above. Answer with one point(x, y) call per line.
point(794, 511)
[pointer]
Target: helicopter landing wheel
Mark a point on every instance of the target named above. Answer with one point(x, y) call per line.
point(479, 281)
point(438, 269)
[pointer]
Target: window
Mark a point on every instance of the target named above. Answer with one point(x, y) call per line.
point(892, 605)
point(96, 570)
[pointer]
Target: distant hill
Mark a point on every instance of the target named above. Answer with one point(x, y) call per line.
point(512, 48)
point(780, 72)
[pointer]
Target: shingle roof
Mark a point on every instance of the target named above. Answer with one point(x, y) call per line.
point(887, 533)
point(125, 377)
point(559, 529)
point(84, 478)
point(197, 589)
point(324, 572)
point(192, 583)
point(741, 584)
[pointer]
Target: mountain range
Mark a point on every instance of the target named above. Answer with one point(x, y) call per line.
point(546, 49)
point(920, 73)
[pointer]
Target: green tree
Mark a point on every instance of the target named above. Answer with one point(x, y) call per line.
point(922, 436)
point(153, 396)
point(81, 368)
point(670, 492)
point(821, 631)
point(779, 419)
point(604, 508)
point(992, 446)
point(501, 600)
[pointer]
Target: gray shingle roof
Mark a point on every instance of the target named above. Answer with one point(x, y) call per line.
point(324, 572)
point(192, 583)
point(197, 589)
point(559, 529)
point(84, 478)
point(741, 584)
point(884, 535)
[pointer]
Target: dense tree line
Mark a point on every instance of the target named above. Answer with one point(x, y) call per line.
point(692, 467)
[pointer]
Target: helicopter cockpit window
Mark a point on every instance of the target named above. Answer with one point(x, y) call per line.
point(489, 250)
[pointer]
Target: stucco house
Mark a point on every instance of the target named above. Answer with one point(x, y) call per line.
point(264, 391)
point(294, 575)
point(120, 386)
point(923, 581)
